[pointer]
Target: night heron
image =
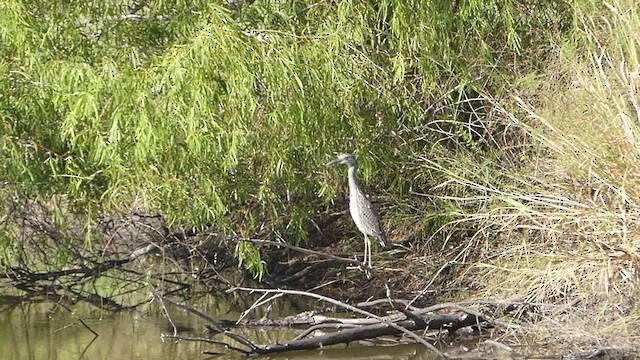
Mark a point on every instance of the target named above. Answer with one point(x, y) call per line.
point(363, 214)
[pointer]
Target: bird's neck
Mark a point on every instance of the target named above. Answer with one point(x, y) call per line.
point(353, 183)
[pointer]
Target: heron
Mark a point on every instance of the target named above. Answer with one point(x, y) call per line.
point(362, 212)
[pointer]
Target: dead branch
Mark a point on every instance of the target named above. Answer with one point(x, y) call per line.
point(452, 321)
point(404, 320)
point(385, 323)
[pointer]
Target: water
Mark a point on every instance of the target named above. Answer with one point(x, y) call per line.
point(43, 331)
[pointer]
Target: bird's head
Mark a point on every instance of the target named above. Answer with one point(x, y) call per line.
point(346, 159)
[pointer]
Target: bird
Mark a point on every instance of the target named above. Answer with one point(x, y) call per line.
point(362, 212)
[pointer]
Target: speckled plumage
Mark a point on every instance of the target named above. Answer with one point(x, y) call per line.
point(362, 212)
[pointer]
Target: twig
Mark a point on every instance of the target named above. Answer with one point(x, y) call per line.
point(386, 301)
point(320, 319)
point(242, 340)
point(261, 301)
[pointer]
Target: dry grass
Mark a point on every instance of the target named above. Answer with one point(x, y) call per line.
point(566, 234)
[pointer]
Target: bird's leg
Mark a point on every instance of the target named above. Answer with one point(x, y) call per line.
point(366, 242)
point(369, 247)
point(367, 255)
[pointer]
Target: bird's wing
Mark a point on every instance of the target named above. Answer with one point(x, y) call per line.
point(370, 219)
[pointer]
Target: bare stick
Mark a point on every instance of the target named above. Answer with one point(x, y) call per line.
point(386, 301)
point(242, 340)
point(261, 301)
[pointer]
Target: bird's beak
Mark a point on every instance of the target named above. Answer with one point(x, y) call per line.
point(334, 162)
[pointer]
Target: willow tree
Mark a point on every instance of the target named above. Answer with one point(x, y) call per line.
point(220, 115)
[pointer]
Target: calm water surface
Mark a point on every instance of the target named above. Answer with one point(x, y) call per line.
point(47, 331)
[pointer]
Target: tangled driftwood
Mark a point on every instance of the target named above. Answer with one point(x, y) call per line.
point(404, 320)
point(360, 323)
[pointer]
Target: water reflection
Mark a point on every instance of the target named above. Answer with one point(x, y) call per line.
point(396, 352)
point(46, 331)
point(34, 331)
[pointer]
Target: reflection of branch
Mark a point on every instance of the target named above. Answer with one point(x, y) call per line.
point(210, 341)
point(95, 334)
point(192, 310)
point(215, 327)
point(58, 283)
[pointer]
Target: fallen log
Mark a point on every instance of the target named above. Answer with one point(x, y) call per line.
point(450, 322)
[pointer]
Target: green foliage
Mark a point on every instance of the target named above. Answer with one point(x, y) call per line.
point(249, 256)
point(222, 116)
